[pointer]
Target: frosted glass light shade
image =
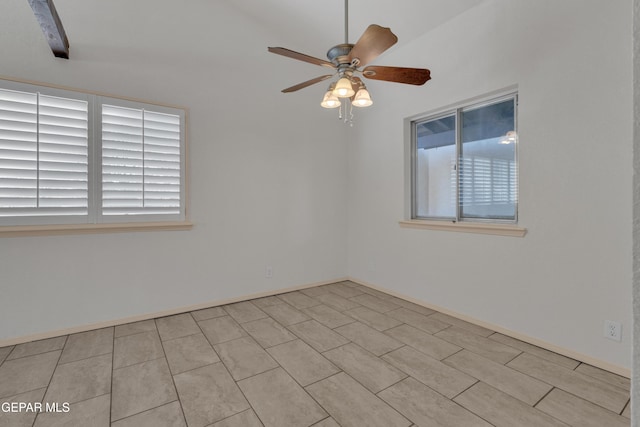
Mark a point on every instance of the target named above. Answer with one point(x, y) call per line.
point(343, 88)
point(362, 98)
point(330, 100)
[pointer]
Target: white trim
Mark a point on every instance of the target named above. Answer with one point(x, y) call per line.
point(163, 313)
point(625, 372)
point(58, 229)
point(466, 227)
point(616, 369)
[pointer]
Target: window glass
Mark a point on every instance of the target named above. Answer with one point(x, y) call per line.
point(465, 163)
point(488, 162)
point(435, 176)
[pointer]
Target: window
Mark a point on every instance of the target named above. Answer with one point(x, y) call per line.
point(75, 158)
point(464, 163)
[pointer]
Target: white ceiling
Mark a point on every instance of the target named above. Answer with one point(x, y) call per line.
point(313, 26)
point(308, 26)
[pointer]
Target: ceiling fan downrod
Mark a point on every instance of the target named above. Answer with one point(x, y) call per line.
point(346, 21)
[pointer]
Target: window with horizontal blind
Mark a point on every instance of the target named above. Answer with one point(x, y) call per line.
point(464, 163)
point(74, 158)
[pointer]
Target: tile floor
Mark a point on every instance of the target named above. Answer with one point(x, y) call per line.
point(334, 355)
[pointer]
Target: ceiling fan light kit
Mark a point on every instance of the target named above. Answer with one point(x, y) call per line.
point(347, 61)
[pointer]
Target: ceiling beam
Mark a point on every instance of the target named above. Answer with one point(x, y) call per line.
point(51, 25)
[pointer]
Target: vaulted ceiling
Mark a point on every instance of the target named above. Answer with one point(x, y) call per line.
point(173, 28)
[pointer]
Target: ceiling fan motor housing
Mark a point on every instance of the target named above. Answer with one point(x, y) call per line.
point(339, 54)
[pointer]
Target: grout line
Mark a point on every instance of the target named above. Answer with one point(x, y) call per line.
point(113, 356)
point(173, 381)
point(51, 378)
point(545, 395)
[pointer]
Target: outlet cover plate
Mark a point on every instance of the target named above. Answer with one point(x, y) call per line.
point(613, 330)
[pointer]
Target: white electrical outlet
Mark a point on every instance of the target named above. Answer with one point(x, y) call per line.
point(268, 272)
point(613, 330)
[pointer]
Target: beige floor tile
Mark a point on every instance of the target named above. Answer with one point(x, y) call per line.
point(87, 344)
point(578, 412)
point(141, 387)
point(613, 379)
point(317, 336)
point(627, 411)
point(279, 401)
point(536, 351)
point(21, 419)
point(221, 329)
point(208, 395)
point(244, 357)
point(328, 316)
point(492, 350)
point(374, 292)
point(423, 342)
point(302, 362)
point(132, 349)
point(84, 379)
point(267, 332)
point(285, 314)
point(417, 320)
point(37, 347)
point(176, 326)
point(4, 352)
point(371, 371)
point(208, 313)
point(372, 318)
point(425, 407)
point(169, 415)
point(190, 352)
point(27, 373)
point(266, 301)
point(247, 418)
point(502, 410)
point(315, 291)
point(454, 321)
point(336, 301)
point(298, 300)
point(327, 422)
point(368, 338)
point(344, 291)
point(88, 413)
point(135, 328)
point(523, 387)
point(352, 405)
point(244, 312)
point(581, 385)
point(409, 305)
point(431, 372)
point(378, 304)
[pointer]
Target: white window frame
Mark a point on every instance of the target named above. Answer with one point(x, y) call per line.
point(95, 221)
point(506, 227)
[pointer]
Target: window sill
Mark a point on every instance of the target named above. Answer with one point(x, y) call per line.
point(466, 227)
point(57, 229)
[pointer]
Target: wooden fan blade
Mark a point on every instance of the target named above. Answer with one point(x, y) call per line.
point(372, 42)
point(411, 76)
point(300, 56)
point(307, 83)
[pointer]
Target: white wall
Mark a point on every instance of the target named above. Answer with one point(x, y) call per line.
point(571, 60)
point(635, 368)
point(266, 183)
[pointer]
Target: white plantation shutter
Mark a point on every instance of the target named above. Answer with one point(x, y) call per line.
point(43, 155)
point(74, 158)
point(141, 162)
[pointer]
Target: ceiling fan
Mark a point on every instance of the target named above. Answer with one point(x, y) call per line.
point(347, 61)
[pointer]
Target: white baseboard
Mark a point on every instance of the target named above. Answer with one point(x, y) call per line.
point(163, 313)
point(625, 372)
point(513, 334)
